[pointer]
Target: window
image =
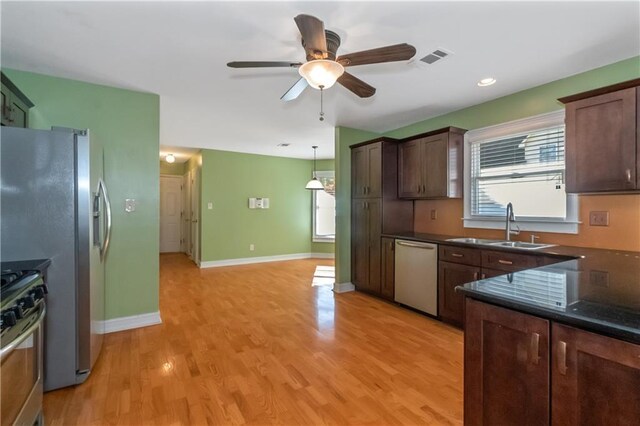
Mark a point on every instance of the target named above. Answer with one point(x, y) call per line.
point(520, 162)
point(324, 209)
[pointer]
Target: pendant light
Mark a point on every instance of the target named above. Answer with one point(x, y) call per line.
point(314, 183)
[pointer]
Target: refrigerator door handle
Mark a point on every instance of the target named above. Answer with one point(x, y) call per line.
point(107, 204)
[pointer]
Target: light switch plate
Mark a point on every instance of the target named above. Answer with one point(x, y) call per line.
point(210, 205)
point(599, 218)
point(130, 205)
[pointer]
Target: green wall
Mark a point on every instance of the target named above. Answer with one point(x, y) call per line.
point(323, 247)
point(228, 180)
point(537, 100)
point(126, 124)
point(175, 169)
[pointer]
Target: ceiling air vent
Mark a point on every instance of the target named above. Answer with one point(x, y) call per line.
point(435, 56)
point(283, 144)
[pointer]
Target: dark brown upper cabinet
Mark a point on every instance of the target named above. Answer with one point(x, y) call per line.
point(603, 139)
point(430, 165)
point(14, 105)
point(366, 171)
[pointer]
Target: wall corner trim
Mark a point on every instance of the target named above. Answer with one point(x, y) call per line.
point(131, 322)
point(263, 259)
point(343, 287)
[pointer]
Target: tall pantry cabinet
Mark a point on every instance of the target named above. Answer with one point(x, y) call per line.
point(375, 209)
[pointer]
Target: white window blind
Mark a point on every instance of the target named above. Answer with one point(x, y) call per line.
point(526, 169)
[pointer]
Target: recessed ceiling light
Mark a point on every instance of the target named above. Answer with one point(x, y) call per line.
point(170, 158)
point(486, 82)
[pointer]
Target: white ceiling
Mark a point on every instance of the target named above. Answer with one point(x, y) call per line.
point(179, 50)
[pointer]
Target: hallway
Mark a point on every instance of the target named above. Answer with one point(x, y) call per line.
point(258, 344)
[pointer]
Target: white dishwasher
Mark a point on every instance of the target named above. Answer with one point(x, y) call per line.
point(416, 276)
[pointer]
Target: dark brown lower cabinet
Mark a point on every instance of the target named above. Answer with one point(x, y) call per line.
point(596, 379)
point(450, 302)
point(520, 369)
point(506, 367)
point(387, 289)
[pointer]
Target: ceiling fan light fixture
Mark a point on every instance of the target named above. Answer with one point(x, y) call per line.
point(321, 73)
point(170, 158)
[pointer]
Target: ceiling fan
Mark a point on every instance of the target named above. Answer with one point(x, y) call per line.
point(323, 68)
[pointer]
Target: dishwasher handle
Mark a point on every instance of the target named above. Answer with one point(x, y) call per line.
point(415, 245)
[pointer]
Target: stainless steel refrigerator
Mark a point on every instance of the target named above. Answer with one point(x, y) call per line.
point(54, 204)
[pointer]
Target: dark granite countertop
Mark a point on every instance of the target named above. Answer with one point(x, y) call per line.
point(39, 265)
point(598, 290)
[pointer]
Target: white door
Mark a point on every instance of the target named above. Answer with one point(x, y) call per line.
point(170, 209)
point(195, 215)
point(186, 213)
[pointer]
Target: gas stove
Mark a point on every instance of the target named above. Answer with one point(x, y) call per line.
point(21, 293)
point(22, 290)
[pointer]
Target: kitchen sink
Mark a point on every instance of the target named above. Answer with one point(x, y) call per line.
point(501, 243)
point(473, 241)
point(522, 245)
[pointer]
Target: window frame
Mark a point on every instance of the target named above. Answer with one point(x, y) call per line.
point(315, 237)
point(512, 128)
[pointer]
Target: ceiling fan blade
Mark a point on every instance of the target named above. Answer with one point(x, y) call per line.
point(295, 90)
point(397, 52)
point(262, 64)
point(313, 36)
point(356, 85)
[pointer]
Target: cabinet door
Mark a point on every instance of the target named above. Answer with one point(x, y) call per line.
point(506, 367)
point(374, 171)
point(374, 216)
point(359, 244)
point(387, 289)
point(450, 302)
point(601, 142)
point(410, 169)
point(435, 166)
point(359, 172)
point(596, 379)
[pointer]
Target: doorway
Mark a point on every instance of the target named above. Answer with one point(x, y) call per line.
point(170, 214)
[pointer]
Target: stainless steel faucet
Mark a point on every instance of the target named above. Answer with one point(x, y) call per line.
point(510, 218)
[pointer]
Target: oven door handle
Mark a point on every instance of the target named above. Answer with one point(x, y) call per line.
point(4, 352)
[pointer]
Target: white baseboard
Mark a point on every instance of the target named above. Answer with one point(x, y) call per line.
point(323, 255)
point(134, 321)
point(263, 259)
point(343, 287)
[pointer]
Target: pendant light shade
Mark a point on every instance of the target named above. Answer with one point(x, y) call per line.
point(314, 183)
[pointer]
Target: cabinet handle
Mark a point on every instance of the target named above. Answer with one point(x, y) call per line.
point(534, 349)
point(456, 255)
point(628, 173)
point(483, 276)
point(505, 262)
point(475, 276)
point(562, 357)
point(424, 189)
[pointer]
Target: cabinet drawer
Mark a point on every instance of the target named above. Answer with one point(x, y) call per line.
point(464, 255)
point(509, 262)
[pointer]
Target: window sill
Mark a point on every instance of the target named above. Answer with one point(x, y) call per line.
point(559, 227)
point(324, 239)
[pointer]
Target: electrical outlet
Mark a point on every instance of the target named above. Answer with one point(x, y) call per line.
point(252, 247)
point(599, 218)
point(434, 214)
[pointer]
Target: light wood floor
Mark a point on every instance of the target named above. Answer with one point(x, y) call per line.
point(256, 344)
